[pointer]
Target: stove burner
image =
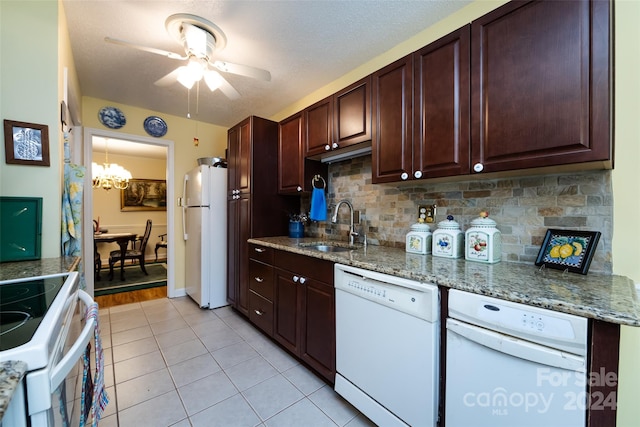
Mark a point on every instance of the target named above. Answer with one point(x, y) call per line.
point(17, 292)
point(12, 320)
point(23, 306)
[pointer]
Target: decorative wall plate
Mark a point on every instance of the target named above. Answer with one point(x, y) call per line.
point(155, 126)
point(112, 117)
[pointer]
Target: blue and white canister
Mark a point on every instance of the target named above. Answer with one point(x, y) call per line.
point(448, 239)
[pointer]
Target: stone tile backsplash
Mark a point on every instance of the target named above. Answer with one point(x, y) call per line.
point(523, 207)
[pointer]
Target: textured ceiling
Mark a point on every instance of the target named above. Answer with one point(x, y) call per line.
point(304, 44)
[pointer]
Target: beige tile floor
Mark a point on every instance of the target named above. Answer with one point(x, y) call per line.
point(170, 363)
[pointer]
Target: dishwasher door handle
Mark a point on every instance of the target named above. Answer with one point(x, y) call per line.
point(516, 347)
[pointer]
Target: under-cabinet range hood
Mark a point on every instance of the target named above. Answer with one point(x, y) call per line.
point(346, 153)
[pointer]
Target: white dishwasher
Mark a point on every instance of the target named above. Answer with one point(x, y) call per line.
point(387, 346)
point(513, 365)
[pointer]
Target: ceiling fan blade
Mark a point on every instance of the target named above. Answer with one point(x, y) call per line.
point(170, 78)
point(228, 90)
point(242, 70)
point(145, 48)
point(214, 81)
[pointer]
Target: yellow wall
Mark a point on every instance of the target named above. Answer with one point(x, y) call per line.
point(29, 93)
point(106, 204)
point(180, 130)
point(626, 194)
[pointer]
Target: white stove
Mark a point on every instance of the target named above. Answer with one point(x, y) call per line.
point(42, 324)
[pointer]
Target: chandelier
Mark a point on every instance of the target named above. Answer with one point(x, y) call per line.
point(109, 175)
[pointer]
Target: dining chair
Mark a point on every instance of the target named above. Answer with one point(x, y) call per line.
point(133, 254)
point(161, 244)
point(97, 262)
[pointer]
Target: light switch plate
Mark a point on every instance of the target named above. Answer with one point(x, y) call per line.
point(427, 213)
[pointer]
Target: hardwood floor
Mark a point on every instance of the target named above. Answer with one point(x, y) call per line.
point(112, 300)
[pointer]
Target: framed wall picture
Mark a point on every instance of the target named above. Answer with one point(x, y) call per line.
point(26, 143)
point(144, 195)
point(568, 250)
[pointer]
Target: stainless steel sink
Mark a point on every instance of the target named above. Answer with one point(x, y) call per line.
point(327, 247)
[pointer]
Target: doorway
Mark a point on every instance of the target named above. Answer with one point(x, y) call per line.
point(136, 146)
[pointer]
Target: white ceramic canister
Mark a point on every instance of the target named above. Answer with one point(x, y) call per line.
point(483, 240)
point(448, 239)
point(419, 239)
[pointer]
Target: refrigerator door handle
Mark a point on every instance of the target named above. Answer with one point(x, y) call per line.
point(184, 207)
point(184, 223)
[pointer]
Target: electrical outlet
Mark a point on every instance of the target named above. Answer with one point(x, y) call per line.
point(427, 213)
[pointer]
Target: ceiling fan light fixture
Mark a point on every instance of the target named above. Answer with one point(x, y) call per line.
point(185, 78)
point(197, 41)
point(192, 72)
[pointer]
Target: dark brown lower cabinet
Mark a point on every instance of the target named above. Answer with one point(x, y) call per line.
point(291, 299)
point(304, 310)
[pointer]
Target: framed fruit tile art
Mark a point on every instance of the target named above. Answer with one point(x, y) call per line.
point(568, 250)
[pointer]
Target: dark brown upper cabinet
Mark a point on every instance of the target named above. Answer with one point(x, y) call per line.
point(541, 85)
point(392, 88)
point(421, 113)
point(295, 172)
point(525, 86)
point(339, 121)
point(441, 118)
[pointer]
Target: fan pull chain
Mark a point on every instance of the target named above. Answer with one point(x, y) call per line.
point(196, 141)
point(188, 103)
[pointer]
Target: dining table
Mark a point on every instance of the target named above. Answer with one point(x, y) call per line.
point(122, 239)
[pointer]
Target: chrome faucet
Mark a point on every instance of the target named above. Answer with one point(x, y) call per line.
point(334, 219)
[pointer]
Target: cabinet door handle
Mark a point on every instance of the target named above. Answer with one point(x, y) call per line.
point(327, 147)
point(334, 145)
point(259, 279)
point(302, 280)
point(259, 250)
point(258, 312)
point(296, 278)
point(404, 176)
point(299, 188)
point(478, 167)
point(417, 174)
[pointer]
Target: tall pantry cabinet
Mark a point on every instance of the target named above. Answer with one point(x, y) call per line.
point(254, 207)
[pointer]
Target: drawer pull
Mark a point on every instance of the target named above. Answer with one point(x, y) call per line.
point(258, 312)
point(259, 279)
point(259, 250)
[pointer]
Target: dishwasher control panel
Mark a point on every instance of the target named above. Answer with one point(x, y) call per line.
point(525, 320)
point(411, 297)
point(546, 327)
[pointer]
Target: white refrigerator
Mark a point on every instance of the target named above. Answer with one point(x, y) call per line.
point(204, 225)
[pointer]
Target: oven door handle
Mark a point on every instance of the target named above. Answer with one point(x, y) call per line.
point(60, 371)
point(515, 347)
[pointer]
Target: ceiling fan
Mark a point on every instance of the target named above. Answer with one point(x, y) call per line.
point(200, 39)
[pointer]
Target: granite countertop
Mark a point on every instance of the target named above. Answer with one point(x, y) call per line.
point(11, 373)
point(609, 298)
point(41, 267)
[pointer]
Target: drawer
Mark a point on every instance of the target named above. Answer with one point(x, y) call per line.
point(309, 267)
point(261, 312)
point(261, 279)
point(261, 253)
